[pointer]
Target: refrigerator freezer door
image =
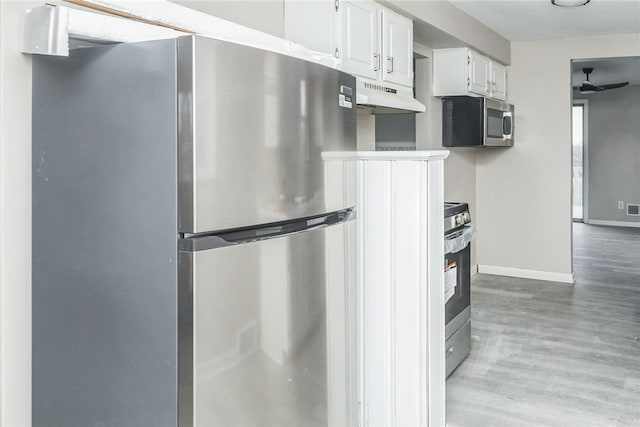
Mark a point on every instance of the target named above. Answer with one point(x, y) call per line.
point(253, 126)
point(271, 331)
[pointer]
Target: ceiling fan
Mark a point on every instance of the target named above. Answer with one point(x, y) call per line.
point(588, 87)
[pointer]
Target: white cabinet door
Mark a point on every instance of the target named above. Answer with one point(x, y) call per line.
point(397, 53)
point(360, 44)
point(498, 81)
point(479, 81)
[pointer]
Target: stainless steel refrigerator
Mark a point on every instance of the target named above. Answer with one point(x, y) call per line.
point(191, 263)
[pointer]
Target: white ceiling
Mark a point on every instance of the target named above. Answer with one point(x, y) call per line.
point(525, 20)
point(522, 20)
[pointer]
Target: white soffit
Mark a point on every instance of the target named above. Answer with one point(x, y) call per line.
point(167, 14)
point(52, 30)
point(523, 20)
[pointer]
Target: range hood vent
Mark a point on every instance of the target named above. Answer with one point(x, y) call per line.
point(386, 100)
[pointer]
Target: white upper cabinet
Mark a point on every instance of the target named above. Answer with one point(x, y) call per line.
point(360, 45)
point(370, 40)
point(397, 52)
point(479, 76)
point(462, 71)
point(499, 79)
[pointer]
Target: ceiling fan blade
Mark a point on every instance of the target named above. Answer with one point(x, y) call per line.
point(610, 86)
point(587, 87)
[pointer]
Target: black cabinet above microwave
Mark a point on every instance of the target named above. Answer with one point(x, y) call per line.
point(476, 122)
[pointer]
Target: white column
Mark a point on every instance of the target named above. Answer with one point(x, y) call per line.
point(400, 291)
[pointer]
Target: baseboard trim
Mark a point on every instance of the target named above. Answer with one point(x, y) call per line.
point(522, 273)
point(474, 269)
point(613, 223)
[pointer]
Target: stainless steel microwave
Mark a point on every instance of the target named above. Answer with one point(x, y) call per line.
point(476, 122)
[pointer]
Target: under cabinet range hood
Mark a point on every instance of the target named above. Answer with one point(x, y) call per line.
point(386, 99)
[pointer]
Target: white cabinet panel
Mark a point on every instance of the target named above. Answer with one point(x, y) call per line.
point(499, 81)
point(479, 81)
point(397, 52)
point(360, 38)
point(313, 24)
point(450, 72)
point(462, 71)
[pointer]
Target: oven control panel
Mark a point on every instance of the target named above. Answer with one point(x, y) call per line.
point(456, 215)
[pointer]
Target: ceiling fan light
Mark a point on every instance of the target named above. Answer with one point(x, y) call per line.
point(569, 3)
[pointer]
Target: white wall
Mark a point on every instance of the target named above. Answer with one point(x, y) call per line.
point(614, 152)
point(524, 192)
point(15, 219)
point(460, 166)
point(366, 129)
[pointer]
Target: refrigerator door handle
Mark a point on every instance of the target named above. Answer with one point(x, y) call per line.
point(207, 241)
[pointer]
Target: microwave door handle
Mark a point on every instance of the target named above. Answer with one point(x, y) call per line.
point(507, 130)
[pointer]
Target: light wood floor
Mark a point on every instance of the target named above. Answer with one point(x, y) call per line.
point(552, 354)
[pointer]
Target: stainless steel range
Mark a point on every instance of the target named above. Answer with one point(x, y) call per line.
point(457, 234)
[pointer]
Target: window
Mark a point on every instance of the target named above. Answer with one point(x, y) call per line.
point(578, 169)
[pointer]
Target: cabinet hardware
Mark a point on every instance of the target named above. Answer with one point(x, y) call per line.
point(337, 53)
point(376, 62)
point(389, 64)
point(337, 3)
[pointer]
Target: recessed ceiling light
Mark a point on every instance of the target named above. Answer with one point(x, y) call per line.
point(570, 3)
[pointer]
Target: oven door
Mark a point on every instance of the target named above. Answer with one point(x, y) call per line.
point(461, 299)
point(498, 123)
